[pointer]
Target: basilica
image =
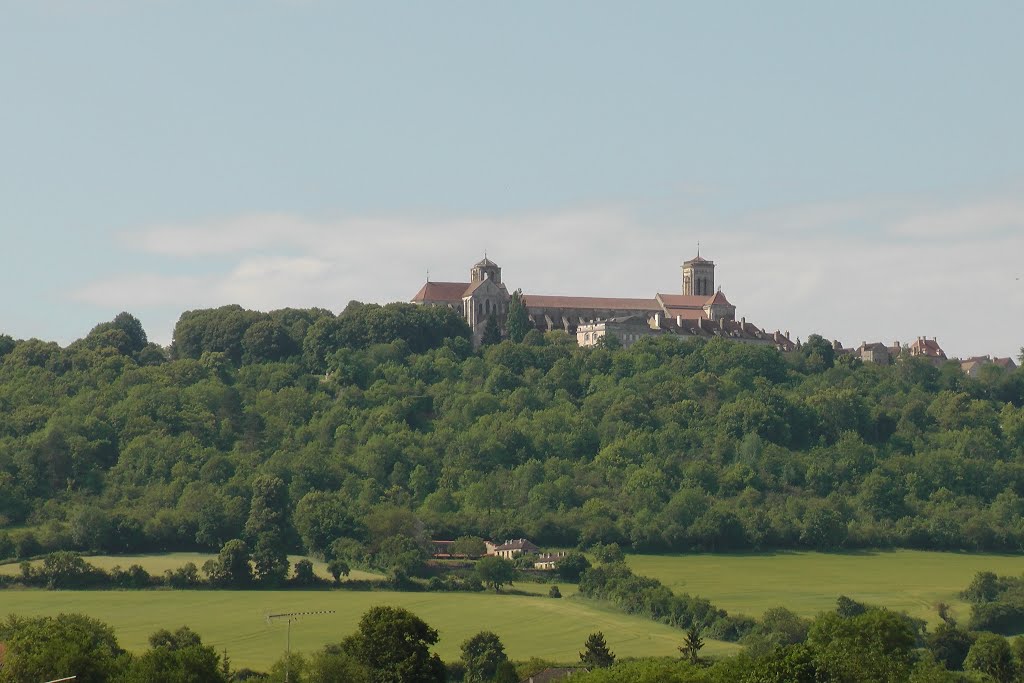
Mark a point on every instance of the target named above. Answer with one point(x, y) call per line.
point(698, 310)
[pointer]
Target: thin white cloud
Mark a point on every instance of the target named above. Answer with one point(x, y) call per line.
point(965, 222)
point(851, 271)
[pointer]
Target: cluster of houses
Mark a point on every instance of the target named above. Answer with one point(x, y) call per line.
point(509, 550)
point(923, 347)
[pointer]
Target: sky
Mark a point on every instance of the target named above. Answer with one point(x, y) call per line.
point(854, 169)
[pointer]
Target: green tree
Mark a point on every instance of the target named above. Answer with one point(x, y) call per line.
point(596, 653)
point(875, 646)
point(990, 654)
point(492, 331)
point(609, 553)
point(267, 528)
point(692, 645)
point(470, 546)
point(176, 657)
point(818, 353)
point(304, 574)
point(45, 648)
point(338, 569)
point(572, 566)
point(482, 655)
point(267, 341)
point(394, 644)
point(233, 566)
point(334, 665)
point(494, 572)
point(949, 644)
point(518, 323)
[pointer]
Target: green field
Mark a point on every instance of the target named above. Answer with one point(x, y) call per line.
point(530, 626)
point(809, 583)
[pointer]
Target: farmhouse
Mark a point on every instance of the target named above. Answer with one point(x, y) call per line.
point(513, 548)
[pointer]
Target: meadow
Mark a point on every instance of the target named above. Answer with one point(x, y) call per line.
point(529, 625)
point(809, 583)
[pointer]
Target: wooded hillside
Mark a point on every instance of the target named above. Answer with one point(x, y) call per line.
point(382, 420)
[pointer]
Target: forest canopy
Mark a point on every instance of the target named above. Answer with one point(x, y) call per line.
point(381, 426)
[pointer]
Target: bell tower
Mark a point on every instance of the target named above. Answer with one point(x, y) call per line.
point(485, 270)
point(698, 276)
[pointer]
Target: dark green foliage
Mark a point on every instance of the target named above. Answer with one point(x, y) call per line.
point(664, 446)
point(492, 331)
point(233, 566)
point(518, 321)
point(873, 646)
point(494, 572)
point(949, 645)
point(692, 645)
point(394, 644)
point(469, 546)
point(998, 603)
point(778, 627)
point(482, 656)
point(572, 566)
point(46, 648)
point(596, 653)
point(608, 553)
point(990, 654)
point(554, 592)
point(649, 597)
point(847, 607)
point(338, 569)
point(304, 574)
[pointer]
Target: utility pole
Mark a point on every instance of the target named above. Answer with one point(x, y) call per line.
point(290, 617)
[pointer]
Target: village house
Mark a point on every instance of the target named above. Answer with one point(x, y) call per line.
point(928, 348)
point(876, 352)
point(548, 561)
point(513, 548)
point(972, 366)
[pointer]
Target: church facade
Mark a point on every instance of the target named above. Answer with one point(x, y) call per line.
point(485, 295)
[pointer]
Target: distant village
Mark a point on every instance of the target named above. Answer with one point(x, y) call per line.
point(701, 311)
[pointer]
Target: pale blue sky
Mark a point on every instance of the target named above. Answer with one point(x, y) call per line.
point(855, 169)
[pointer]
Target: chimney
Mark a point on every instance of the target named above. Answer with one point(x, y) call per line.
point(787, 334)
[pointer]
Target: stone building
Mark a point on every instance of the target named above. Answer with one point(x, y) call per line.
point(479, 299)
point(485, 295)
point(876, 352)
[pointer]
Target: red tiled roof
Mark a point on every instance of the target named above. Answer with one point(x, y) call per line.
point(682, 301)
point(592, 302)
point(441, 291)
point(686, 313)
point(719, 300)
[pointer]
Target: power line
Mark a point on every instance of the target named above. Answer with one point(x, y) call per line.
point(290, 617)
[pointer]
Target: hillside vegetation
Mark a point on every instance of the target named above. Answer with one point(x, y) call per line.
point(374, 429)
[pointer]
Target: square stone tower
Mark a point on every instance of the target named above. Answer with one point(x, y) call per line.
point(698, 277)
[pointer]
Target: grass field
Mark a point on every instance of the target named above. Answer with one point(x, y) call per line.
point(530, 626)
point(809, 583)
